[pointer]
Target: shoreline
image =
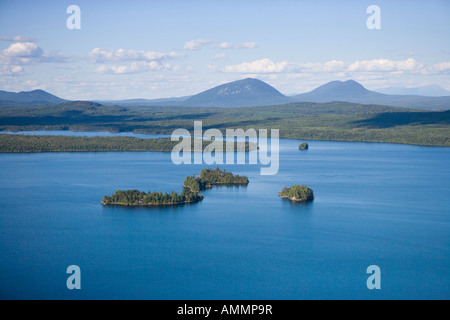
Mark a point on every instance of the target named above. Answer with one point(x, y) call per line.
point(27, 133)
point(149, 205)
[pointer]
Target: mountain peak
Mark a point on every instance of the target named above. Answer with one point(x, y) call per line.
point(240, 93)
point(335, 91)
point(34, 97)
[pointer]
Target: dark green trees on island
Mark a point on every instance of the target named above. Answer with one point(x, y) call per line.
point(300, 193)
point(303, 146)
point(190, 194)
point(139, 198)
point(210, 177)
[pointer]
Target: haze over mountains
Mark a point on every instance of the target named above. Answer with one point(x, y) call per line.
point(429, 90)
point(252, 92)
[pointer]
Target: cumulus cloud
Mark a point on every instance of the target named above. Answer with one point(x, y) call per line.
point(242, 45)
point(23, 50)
point(258, 66)
point(25, 53)
point(131, 61)
point(196, 44)
point(134, 67)
point(393, 67)
point(317, 67)
point(28, 53)
point(104, 55)
point(385, 65)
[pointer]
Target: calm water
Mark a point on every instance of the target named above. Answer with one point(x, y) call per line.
point(379, 204)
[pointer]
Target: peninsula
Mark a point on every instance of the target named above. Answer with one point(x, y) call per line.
point(20, 143)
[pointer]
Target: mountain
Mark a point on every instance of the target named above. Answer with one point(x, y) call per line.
point(335, 91)
point(429, 90)
point(27, 98)
point(241, 93)
point(352, 91)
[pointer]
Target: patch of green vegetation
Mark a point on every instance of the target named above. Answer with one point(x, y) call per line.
point(300, 193)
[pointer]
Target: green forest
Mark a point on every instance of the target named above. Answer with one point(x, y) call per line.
point(11, 143)
point(339, 121)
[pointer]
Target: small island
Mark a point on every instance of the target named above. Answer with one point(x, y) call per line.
point(190, 194)
point(139, 198)
point(303, 146)
point(298, 193)
point(209, 178)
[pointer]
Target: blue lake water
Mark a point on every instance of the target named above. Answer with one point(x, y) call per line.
point(376, 204)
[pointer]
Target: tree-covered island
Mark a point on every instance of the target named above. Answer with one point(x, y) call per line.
point(303, 146)
point(190, 194)
point(299, 193)
point(209, 178)
point(140, 198)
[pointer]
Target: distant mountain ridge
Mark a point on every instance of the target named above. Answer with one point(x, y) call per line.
point(249, 92)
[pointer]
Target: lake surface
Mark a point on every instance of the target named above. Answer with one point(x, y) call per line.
point(376, 204)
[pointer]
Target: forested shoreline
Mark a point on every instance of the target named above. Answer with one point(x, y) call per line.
point(17, 143)
point(335, 121)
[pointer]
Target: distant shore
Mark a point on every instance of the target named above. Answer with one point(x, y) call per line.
point(15, 143)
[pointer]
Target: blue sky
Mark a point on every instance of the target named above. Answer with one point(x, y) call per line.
point(156, 49)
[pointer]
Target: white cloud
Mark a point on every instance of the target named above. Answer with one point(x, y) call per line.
point(385, 65)
point(134, 67)
point(23, 50)
point(6, 70)
point(104, 55)
point(220, 56)
point(318, 67)
point(20, 53)
point(339, 67)
point(196, 44)
point(225, 45)
point(134, 61)
point(25, 53)
point(242, 45)
point(257, 66)
point(212, 68)
point(440, 67)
